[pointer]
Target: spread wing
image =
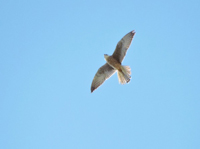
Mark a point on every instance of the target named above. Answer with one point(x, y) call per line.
point(104, 72)
point(122, 46)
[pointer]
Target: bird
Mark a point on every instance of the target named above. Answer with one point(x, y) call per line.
point(113, 64)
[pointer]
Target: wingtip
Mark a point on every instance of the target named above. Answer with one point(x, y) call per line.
point(92, 89)
point(133, 32)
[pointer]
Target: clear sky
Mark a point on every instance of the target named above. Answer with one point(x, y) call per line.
point(51, 50)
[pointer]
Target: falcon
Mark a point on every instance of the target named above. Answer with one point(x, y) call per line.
point(113, 64)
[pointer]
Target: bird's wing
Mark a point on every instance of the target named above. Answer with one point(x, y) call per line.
point(104, 72)
point(122, 46)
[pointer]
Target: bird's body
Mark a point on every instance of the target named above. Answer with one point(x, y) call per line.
point(123, 72)
point(113, 64)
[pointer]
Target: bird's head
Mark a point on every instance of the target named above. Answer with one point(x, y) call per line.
point(106, 56)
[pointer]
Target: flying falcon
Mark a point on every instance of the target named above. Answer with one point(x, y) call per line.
point(113, 64)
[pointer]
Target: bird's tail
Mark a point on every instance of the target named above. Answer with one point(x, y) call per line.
point(124, 75)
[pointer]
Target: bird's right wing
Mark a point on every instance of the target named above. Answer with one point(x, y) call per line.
point(104, 72)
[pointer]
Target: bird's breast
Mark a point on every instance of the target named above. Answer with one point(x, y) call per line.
point(113, 63)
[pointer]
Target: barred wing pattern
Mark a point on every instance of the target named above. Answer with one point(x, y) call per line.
point(122, 46)
point(103, 73)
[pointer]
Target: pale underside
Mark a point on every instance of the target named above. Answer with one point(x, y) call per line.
point(106, 71)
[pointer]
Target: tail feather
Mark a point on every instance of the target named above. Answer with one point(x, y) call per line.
point(128, 69)
point(121, 78)
point(124, 75)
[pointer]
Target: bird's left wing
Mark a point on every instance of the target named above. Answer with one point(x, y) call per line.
point(104, 72)
point(122, 46)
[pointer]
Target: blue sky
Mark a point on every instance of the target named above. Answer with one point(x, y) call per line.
point(51, 50)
